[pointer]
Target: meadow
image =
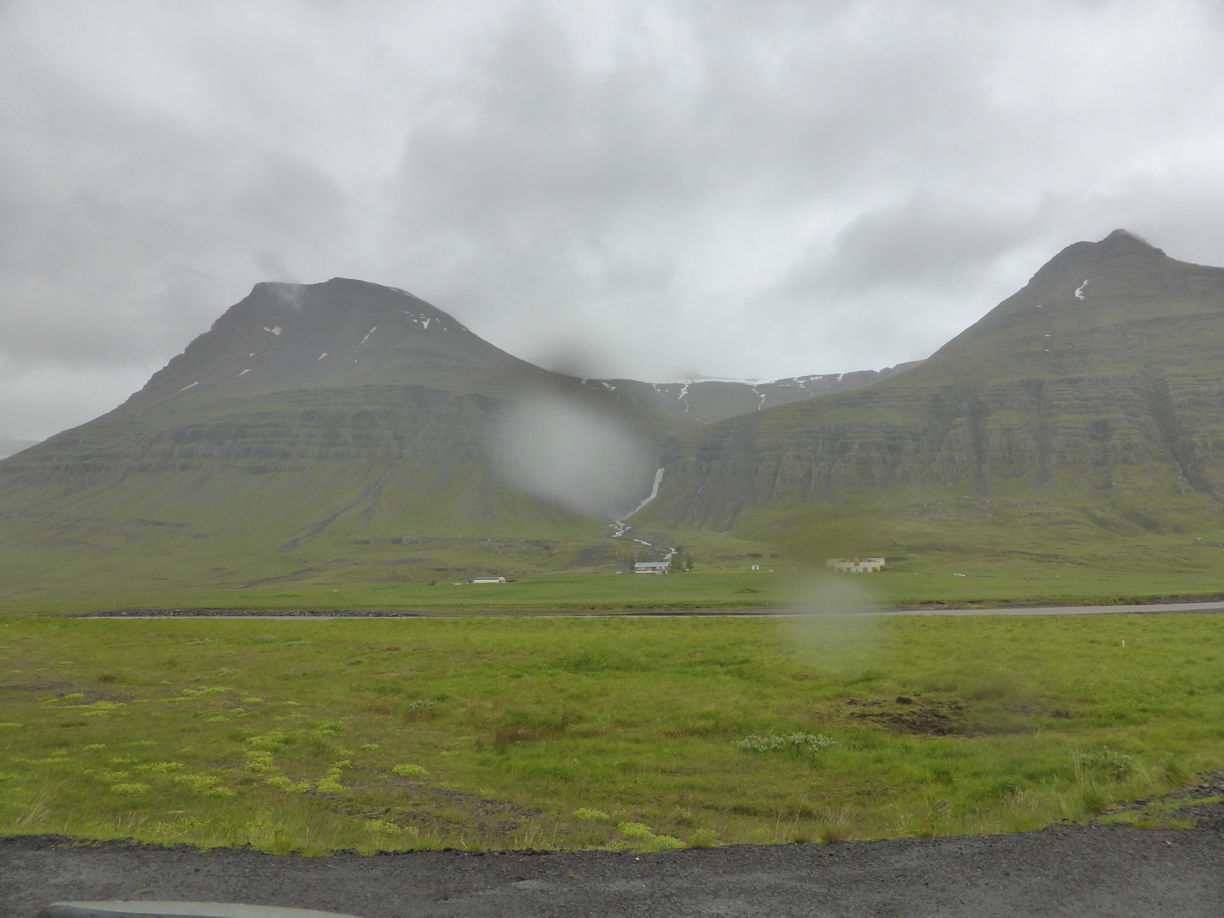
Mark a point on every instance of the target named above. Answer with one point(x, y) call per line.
point(530, 732)
point(929, 582)
point(957, 552)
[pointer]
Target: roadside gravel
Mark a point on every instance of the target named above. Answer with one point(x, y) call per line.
point(1063, 871)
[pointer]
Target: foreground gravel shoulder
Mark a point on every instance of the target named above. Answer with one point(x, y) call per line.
point(1073, 871)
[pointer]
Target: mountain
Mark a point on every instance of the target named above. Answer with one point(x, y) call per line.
point(348, 432)
point(350, 371)
point(1093, 393)
point(709, 400)
point(11, 445)
point(339, 334)
point(315, 425)
point(308, 421)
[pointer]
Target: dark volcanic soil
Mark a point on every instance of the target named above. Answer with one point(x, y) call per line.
point(1065, 871)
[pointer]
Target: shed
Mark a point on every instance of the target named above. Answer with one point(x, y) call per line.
point(652, 567)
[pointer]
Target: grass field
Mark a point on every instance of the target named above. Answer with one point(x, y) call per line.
point(529, 732)
point(953, 552)
point(932, 580)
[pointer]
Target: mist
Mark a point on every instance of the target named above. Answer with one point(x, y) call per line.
point(557, 448)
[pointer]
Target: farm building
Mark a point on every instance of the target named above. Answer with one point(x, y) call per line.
point(855, 565)
point(652, 567)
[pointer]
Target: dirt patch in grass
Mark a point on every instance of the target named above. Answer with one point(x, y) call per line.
point(66, 695)
point(906, 714)
point(59, 688)
point(434, 809)
point(489, 815)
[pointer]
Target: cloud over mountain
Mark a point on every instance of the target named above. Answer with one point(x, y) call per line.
point(773, 191)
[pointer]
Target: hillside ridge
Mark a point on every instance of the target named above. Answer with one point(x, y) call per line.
point(1100, 373)
point(328, 426)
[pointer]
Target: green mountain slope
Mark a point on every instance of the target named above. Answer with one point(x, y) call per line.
point(345, 425)
point(1094, 395)
point(346, 432)
point(11, 445)
point(307, 425)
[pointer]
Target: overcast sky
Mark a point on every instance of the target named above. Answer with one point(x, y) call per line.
point(656, 190)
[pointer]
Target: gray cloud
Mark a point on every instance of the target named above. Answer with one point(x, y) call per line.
point(772, 188)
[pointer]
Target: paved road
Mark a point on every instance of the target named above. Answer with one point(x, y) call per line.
point(1162, 608)
point(1158, 608)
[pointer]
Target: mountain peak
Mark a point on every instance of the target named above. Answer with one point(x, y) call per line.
point(1121, 233)
point(1118, 244)
point(1118, 280)
point(344, 293)
point(1125, 240)
point(336, 334)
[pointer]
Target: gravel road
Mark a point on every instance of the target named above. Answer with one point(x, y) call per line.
point(1063, 871)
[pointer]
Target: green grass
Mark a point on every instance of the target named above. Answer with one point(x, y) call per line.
point(645, 734)
point(958, 552)
point(250, 541)
point(903, 584)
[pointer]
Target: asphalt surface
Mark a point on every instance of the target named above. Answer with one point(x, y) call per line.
point(1200, 607)
point(1062, 871)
